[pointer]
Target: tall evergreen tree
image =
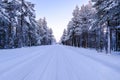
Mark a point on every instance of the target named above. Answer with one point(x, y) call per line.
point(18, 27)
point(107, 14)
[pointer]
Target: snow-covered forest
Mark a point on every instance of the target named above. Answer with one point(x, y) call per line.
point(93, 28)
point(95, 25)
point(18, 27)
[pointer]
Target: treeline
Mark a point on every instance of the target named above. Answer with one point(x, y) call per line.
point(18, 27)
point(95, 25)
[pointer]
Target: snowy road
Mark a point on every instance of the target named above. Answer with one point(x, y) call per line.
point(58, 62)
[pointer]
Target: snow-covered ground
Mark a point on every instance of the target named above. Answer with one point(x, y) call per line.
point(58, 62)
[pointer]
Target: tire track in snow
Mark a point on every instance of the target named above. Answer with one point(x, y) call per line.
point(15, 63)
point(22, 63)
point(80, 65)
point(105, 71)
point(13, 54)
point(74, 73)
point(105, 63)
point(57, 63)
point(39, 70)
point(70, 69)
point(47, 71)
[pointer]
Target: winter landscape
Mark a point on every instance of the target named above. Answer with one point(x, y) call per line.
point(33, 48)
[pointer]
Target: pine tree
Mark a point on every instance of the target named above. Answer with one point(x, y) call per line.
point(80, 25)
point(107, 14)
point(18, 27)
point(64, 37)
point(4, 23)
point(47, 37)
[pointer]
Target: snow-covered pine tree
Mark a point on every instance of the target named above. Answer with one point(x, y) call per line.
point(46, 36)
point(32, 26)
point(44, 40)
point(4, 23)
point(107, 14)
point(18, 27)
point(11, 10)
point(80, 25)
point(64, 37)
point(27, 25)
point(76, 27)
point(51, 39)
point(86, 19)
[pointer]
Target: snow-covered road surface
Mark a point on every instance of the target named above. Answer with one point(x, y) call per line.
point(58, 62)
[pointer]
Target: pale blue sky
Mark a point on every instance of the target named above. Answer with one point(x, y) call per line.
point(57, 12)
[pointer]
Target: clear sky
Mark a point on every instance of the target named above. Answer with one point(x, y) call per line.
point(57, 12)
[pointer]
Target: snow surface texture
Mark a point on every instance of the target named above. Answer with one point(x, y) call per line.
point(58, 62)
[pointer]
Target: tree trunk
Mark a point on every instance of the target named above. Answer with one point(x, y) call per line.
point(109, 40)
